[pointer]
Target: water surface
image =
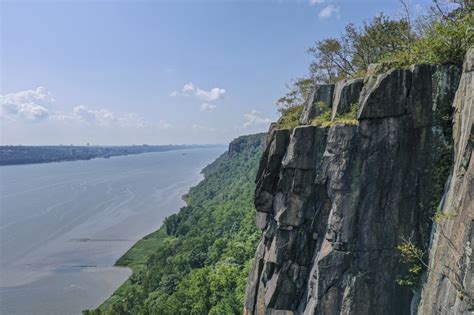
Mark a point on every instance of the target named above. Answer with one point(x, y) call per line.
point(63, 225)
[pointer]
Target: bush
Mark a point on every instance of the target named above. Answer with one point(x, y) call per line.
point(324, 119)
point(290, 117)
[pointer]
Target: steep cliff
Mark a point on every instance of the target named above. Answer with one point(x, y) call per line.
point(449, 288)
point(335, 200)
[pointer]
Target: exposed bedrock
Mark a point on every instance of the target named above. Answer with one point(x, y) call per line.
point(334, 202)
point(319, 97)
point(346, 94)
point(449, 288)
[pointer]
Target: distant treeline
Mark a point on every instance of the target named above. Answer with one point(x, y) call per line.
point(12, 155)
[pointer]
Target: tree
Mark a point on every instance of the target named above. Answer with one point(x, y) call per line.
point(349, 55)
point(298, 93)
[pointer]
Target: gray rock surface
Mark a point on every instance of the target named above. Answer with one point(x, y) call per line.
point(336, 201)
point(321, 94)
point(346, 93)
point(449, 288)
point(384, 95)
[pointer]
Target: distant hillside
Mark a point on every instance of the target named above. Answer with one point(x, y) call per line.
point(198, 261)
point(18, 154)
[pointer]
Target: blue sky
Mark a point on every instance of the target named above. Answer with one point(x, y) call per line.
point(157, 72)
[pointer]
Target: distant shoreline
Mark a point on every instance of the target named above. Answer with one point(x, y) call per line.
point(26, 155)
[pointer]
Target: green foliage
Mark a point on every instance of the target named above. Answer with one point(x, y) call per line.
point(349, 118)
point(290, 117)
point(443, 41)
point(297, 95)
point(198, 262)
point(351, 53)
point(324, 119)
point(443, 36)
point(413, 256)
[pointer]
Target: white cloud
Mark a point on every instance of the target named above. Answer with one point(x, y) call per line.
point(328, 11)
point(254, 118)
point(29, 105)
point(211, 95)
point(206, 107)
point(188, 87)
point(93, 116)
point(314, 2)
point(101, 117)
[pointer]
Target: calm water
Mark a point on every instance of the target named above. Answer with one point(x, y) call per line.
point(63, 225)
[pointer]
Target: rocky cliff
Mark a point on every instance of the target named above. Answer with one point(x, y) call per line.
point(449, 288)
point(335, 201)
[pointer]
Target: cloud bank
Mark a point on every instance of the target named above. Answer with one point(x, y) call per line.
point(29, 105)
point(35, 106)
point(206, 96)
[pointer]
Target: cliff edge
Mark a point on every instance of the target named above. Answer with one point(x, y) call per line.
point(337, 200)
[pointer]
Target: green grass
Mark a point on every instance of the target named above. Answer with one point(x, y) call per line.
point(349, 118)
point(137, 256)
point(290, 118)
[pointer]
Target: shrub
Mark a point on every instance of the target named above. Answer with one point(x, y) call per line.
point(412, 255)
point(324, 119)
point(290, 117)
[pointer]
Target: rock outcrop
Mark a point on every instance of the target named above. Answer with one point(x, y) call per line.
point(335, 202)
point(449, 288)
point(320, 97)
point(346, 94)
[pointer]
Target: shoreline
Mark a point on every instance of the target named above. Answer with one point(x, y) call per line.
point(107, 157)
point(132, 263)
point(72, 261)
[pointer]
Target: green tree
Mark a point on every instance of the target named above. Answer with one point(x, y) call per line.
point(351, 53)
point(296, 96)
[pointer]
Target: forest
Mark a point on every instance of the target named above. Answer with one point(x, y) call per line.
point(198, 261)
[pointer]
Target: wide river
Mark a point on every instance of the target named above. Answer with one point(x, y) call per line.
point(63, 225)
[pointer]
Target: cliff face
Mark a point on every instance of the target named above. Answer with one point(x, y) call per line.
point(449, 288)
point(335, 202)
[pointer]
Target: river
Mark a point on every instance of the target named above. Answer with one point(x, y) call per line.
point(63, 225)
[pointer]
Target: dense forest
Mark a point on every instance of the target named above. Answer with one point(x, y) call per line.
point(199, 260)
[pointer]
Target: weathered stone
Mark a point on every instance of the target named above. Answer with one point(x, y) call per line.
point(343, 197)
point(449, 288)
point(346, 93)
point(261, 220)
point(270, 162)
point(432, 91)
point(385, 95)
point(320, 95)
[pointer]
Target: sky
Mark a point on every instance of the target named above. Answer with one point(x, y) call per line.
point(157, 72)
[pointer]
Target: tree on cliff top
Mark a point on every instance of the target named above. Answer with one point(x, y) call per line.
point(349, 55)
point(442, 35)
